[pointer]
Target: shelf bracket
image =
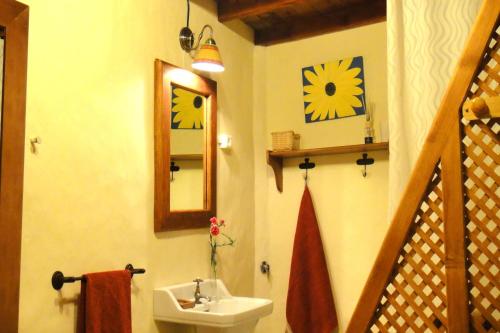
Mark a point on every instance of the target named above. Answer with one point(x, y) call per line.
point(276, 162)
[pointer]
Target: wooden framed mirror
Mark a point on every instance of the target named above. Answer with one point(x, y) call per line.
point(13, 63)
point(185, 129)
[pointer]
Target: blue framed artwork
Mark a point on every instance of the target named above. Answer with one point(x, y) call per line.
point(188, 109)
point(334, 90)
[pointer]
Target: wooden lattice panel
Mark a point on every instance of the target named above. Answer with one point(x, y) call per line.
point(415, 297)
point(486, 83)
point(438, 267)
point(481, 161)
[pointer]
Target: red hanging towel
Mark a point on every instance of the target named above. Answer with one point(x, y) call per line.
point(105, 303)
point(309, 307)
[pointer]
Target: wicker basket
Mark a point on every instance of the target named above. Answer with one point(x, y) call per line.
point(286, 140)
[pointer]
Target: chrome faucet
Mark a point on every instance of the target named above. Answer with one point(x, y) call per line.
point(197, 292)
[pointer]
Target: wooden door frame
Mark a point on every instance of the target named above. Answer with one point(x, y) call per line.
point(14, 17)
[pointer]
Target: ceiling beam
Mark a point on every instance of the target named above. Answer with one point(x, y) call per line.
point(335, 20)
point(238, 10)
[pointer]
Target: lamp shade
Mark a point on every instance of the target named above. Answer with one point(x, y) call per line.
point(208, 58)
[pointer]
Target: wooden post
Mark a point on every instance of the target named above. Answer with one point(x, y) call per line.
point(453, 206)
point(14, 17)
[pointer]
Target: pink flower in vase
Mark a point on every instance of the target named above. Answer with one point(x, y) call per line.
point(214, 230)
point(222, 240)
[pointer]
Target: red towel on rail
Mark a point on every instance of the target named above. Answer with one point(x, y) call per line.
point(105, 303)
point(309, 306)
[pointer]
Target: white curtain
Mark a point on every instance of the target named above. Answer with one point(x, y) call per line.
point(425, 39)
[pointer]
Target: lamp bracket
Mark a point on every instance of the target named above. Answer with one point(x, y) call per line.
point(186, 38)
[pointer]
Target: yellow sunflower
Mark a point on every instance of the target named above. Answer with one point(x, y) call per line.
point(333, 90)
point(188, 109)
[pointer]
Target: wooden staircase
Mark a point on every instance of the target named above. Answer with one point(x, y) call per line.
point(438, 268)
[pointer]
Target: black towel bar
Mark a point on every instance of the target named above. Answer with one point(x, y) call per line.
point(58, 278)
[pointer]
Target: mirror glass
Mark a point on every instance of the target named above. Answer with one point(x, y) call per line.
point(187, 148)
point(2, 51)
point(185, 144)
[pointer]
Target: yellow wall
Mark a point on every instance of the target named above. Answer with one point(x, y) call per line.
point(88, 200)
point(351, 210)
point(187, 185)
point(187, 141)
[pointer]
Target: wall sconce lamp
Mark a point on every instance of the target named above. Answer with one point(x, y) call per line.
point(206, 57)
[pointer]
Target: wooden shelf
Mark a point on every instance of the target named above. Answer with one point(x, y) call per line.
point(186, 157)
point(275, 158)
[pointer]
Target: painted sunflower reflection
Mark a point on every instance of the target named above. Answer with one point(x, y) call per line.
point(188, 109)
point(334, 90)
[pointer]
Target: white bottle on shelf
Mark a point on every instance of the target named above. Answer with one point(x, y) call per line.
point(369, 132)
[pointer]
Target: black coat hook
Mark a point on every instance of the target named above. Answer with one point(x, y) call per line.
point(265, 268)
point(307, 165)
point(173, 168)
point(365, 161)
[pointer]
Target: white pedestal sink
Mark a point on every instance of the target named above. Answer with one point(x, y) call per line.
point(223, 314)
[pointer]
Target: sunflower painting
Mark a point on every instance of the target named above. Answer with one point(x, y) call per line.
point(334, 90)
point(188, 109)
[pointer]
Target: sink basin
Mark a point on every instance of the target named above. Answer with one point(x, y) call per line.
point(222, 311)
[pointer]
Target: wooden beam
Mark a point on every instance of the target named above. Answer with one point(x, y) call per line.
point(334, 20)
point(454, 225)
point(238, 10)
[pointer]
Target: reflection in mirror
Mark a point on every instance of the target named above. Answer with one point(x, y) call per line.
point(187, 142)
point(2, 48)
point(185, 130)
